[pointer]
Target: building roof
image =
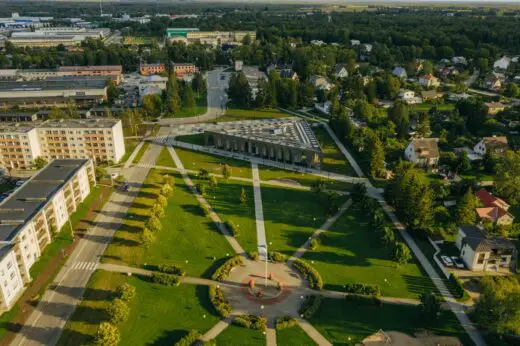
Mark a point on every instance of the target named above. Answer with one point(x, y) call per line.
point(488, 199)
point(338, 67)
point(429, 77)
point(494, 105)
point(94, 123)
point(492, 213)
point(110, 68)
point(431, 94)
point(31, 197)
point(478, 241)
point(426, 147)
point(55, 84)
point(290, 132)
point(495, 141)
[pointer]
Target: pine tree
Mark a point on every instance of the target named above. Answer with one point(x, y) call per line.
point(377, 158)
point(173, 100)
point(466, 209)
point(188, 97)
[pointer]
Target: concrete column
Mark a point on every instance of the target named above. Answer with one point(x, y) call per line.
point(206, 139)
point(309, 155)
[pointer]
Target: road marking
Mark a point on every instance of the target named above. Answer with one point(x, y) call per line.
point(90, 266)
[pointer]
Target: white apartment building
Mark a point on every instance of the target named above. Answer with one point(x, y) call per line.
point(99, 139)
point(32, 215)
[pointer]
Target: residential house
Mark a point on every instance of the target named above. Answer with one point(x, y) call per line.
point(355, 43)
point(495, 107)
point(502, 63)
point(431, 95)
point(494, 210)
point(323, 107)
point(318, 43)
point(320, 83)
point(340, 71)
point(459, 60)
point(423, 152)
point(429, 81)
point(288, 73)
point(400, 72)
point(481, 252)
point(409, 97)
point(448, 72)
point(496, 144)
point(253, 75)
point(366, 48)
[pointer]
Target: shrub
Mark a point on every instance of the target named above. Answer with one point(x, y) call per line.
point(361, 299)
point(118, 311)
point(125, 292)
point(162, 201)
point(310, 306)
point(213, 182)
point(251, 322)
point(254, 255)
point(223, 271)
point(219, 303)
point(203, 174)
point(277, 257)
point(201, 189)
point(360, 288)
point(231, 228)
point(158, 210)
point(147, 238)
point(314, 278)
point(191, 338)
point(153, 224)
point(168, 179)
point(166, 190)
point(205, 209)
point(458, 286)
point(285, 322)
point(314, 244)
point(165, 279)
point(402, 253)
point(106, 335)
point(171, 269)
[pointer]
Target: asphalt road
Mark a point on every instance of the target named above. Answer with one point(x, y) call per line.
point(47, 321)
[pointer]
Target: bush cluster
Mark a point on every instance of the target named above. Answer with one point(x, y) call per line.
point(231, 228)
point(459, 287)
point(223, 271)
point(106, 335)
point(277, 257)
point(362, 299)
point(171, 269)
point(219, 303)
point(285, 322)
point(251, 322)
point(366, 289)
point(125, 292)
point(314, 244)
point(254, 255)
point(314, 278)
point(165, 279)
point(310, 306)
point(191, 338)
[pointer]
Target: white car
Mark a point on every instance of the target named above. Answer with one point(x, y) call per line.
point(447, 261)
point(458, 263)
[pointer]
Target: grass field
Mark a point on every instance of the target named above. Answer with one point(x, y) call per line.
point(291, 216)
point(234, 335)
point(339, 320)
point(141, 152)
point(200, 108)
point(187, 235)
point(294, 336)
point(159, 315)
point(350, 252)
point(130, 145)
point(333, 160)
point(235, 114)
point(305, 179)
point(165, 159)
point(428, 106)
point(213, 164)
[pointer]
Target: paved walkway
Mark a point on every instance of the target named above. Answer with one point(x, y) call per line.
point(132, 156)
point(313, 333)
point(270, 333)
point(214, 217)
point(330, 221)
point(124, 269)
point(259, 214)
point(218, 328)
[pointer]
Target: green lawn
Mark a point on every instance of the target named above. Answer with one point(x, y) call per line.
point(337, 320)
point(305, 179)
point(225, 200)
point(350, 252)
point(165, 159)
point(428, 106)
point(294, 336)
point(213, 164)
point(130, 145)
point(235, 335)
point(187, 235)
point(141, 152)
point(235, 114)
point(291, 216)
point(333, 160)
point(159, 315)
point(200, 108)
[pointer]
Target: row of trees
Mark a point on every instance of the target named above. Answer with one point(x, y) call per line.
point(153, 224)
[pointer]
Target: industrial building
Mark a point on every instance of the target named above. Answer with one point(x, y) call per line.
point(99, 139)
point(192, 35)
point(55, 36)
point(110, 72)
point(32, 215)
point(289, 140)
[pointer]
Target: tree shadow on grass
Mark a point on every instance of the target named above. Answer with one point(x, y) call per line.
point(202, 293)
point(170, 337)
point(192, 209)
point(90, 315)
point(125, 242)
point(89, 294)
point(419, 284)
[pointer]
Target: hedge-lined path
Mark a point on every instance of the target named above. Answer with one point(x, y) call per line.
point(313, 333)
point(214, 217)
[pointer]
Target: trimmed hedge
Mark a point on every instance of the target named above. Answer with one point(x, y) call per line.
point(459, 287)
point(165, 279)
point(314, 278)
point(231, 228)
point(285, 322)
point(219, 302)
point(251, 322)
point(223, 271)
point(362, 299)
point(310, 306)
point(277, 257)
point(190, 339)
point(171, 269)
point(365, 289)
point(254, 255)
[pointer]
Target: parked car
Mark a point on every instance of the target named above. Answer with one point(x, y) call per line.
point(447, 261)
point(458, 263)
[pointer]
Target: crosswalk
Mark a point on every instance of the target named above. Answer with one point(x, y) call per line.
point(90, 266)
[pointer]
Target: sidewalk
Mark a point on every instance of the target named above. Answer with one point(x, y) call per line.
point(259, 214)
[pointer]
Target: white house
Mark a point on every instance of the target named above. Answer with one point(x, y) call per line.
point(459, 60)
point(318, 43)
point(400, 72)
point(367, 48)
point(409, 97)
point(429, 81)
point(481, 252)
point(323, 107)
point(502, 63)
point(496, 144)
point(423, 152)
point(340, 71)
point(355, 42)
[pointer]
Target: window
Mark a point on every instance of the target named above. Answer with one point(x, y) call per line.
point(481, 257)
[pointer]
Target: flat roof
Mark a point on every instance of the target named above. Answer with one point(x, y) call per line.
point(95, 123)
point(90, 68)
point(31, 197)
point(54, 84)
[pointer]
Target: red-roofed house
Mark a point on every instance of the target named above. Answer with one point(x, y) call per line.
point(495, 209)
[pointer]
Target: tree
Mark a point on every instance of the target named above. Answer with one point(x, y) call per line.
point(263, 96)
point(377, 158)
point(318, 185)
point(507, 180)
point(399, 115)
point(358, 193)
point(168, 179)
point(213, 182)
point(166, 190)
point(203, 174)
point(153, 224)
point(226, 171)
point(464, 164)
point(188, 97)
point(152, 105)
point(125, 292)
point(243, 196)
point(113, 92)
point(198, 83)
point(402, 253)
point(147, 238)
point(56, 113)
point(239, 90)
point(430, 306)
point(132, 119)
point(172, 100)
point(39, 162)
point(118, 311)
point(107, 335)
point(158, 210)
point(512, 90)
point(100, 172)
point(388, 236)
point(162, 201)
